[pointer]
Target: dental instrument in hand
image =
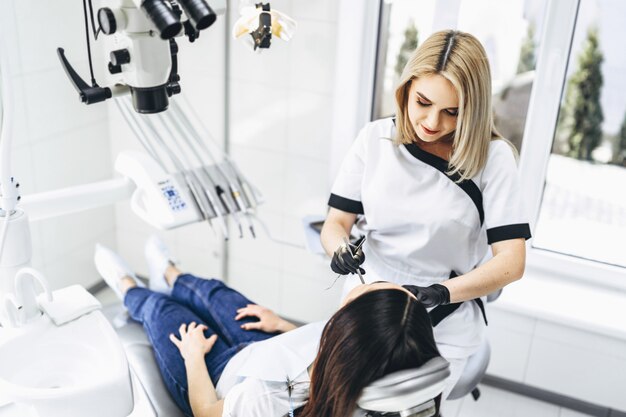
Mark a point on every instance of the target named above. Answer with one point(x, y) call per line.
point(353, 254)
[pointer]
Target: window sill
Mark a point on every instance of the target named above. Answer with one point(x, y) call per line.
point(560, 300)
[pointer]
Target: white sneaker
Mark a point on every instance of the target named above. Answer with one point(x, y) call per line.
point(113, 268)
point(158, 258)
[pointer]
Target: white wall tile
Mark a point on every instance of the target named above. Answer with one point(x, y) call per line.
point(205, 95)
point(325, 10)
point(130, 246)
point(20, 135)
point(302, 262)
point(262, 285)
point(75, 157)
point(306, 189)
point(205, 54)
point(76, 266)
point(53, 105)
point(312, 63)
point(8, 24)
point(268, 67)
point(258, 117)
point(261, 250)
point(65, 234)
point(43, 26)
point(307, 300)
point(309, 124)
point(200, 262)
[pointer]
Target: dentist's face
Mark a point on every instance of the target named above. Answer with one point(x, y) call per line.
point(433, 107)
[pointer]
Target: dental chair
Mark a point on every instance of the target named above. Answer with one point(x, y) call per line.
point(407, 393)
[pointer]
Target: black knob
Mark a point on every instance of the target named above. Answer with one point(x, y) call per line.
point(107, 22)
point(115, 69)
point(120, 57)
point(173, 88)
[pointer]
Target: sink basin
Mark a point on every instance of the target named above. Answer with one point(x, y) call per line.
point(77, 369)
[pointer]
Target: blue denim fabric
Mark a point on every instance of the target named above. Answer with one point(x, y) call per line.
point(205, 301)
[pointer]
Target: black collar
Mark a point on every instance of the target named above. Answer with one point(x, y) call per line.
point(441, 165)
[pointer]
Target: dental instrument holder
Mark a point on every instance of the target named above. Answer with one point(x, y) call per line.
point(163, 200)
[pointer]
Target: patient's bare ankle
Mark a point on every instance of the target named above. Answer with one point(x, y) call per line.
point(171, 274)
point(126, 283)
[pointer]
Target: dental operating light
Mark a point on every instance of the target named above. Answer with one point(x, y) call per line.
point(141, 49)
point(261, 22)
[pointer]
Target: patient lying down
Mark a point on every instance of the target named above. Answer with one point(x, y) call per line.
point(222, 355)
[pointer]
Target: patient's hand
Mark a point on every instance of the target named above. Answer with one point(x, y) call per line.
point(193, 344)
point(268, 322)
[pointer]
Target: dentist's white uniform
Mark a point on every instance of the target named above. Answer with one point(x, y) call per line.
point(421, 225)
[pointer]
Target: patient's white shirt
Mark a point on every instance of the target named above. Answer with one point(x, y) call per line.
point(254, 382)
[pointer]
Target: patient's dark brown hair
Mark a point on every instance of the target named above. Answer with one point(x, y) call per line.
point(378, 333)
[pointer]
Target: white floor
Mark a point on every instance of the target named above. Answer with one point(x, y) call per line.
point(492, 403)
point(497, 403)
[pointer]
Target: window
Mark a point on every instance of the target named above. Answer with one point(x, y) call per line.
point(583, 208)
point(509, 31)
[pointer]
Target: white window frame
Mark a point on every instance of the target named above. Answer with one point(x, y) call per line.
point(541, 121)
point(354, 86)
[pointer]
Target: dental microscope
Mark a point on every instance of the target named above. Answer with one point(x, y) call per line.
point(141, 49)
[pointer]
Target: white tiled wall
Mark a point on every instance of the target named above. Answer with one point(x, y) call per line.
point(57, 141)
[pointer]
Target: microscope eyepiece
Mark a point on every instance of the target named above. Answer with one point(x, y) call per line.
point(199, 13)
point(163, 17)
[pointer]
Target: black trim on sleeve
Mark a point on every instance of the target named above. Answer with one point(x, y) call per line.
point(510, 231)
point(440, 164)
point(345, 204)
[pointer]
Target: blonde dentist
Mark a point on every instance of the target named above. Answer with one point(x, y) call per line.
point(432, 189)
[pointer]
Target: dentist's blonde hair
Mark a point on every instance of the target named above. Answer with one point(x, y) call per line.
point(461, 59)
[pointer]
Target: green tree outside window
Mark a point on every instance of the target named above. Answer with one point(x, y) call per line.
point(582, 114)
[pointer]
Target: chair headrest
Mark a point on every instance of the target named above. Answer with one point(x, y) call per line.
point(406, 389)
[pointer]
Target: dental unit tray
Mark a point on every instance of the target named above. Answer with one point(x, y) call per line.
point(184, 176)
point(166, 201)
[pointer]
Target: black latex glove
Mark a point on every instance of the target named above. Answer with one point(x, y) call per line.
point(431, 296)
point(344, 263)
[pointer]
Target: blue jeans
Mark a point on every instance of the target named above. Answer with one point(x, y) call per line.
point(205, 301)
